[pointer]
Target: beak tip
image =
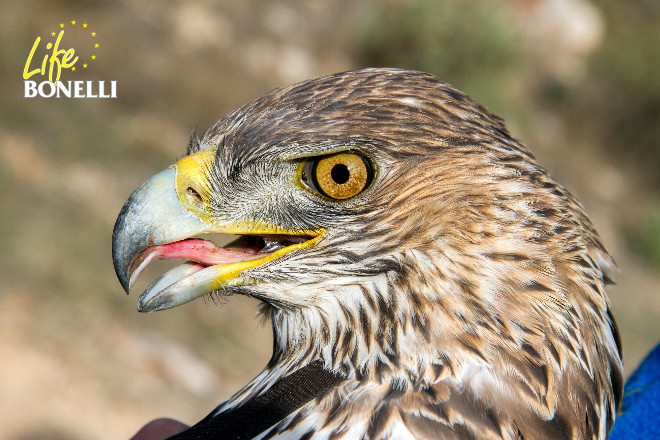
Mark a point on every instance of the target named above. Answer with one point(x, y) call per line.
point(119, 259)
point(153, 214)
point(123, 278)
point(145, 305)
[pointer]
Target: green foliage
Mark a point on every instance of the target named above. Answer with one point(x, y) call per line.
point(621, 96)
point(470, 47)
point(645, 240)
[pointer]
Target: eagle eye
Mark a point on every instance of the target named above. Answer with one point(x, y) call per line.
point(338, 176)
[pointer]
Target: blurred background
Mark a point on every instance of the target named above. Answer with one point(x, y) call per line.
point(576, 80)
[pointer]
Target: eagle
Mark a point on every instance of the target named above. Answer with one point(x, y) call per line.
point(425, 277)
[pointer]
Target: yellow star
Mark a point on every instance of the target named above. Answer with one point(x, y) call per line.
point(73, 22)
point(61, 24)
point(73, 69)
point(93, 34)
point(84, 25)
point(93, 57)
point(52, 33)
point(85, 66)
point(96, 45)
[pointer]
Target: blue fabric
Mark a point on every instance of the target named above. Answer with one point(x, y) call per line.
point(639, 418)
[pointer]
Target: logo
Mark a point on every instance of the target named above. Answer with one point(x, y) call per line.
point(56, 61)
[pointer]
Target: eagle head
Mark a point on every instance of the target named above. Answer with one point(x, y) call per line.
point(402, 241)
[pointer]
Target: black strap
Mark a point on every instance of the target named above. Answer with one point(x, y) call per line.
point(261, 412)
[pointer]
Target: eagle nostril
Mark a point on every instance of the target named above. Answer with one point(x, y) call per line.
point(193, 196)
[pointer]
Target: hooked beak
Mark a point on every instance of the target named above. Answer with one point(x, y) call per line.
point(159, 221)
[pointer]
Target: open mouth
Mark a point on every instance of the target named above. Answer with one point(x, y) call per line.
point(204, 253)
point(157, 221)
point(207, 265)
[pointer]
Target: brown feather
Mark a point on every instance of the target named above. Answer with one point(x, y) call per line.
point(462, 294)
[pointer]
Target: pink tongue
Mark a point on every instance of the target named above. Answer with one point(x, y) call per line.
point(202, 251)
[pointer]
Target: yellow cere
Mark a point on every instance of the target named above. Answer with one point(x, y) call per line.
point(192, 181)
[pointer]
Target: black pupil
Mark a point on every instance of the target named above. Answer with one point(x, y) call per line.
point(340, 173)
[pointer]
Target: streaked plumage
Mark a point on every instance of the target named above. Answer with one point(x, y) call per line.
point(460, 295)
